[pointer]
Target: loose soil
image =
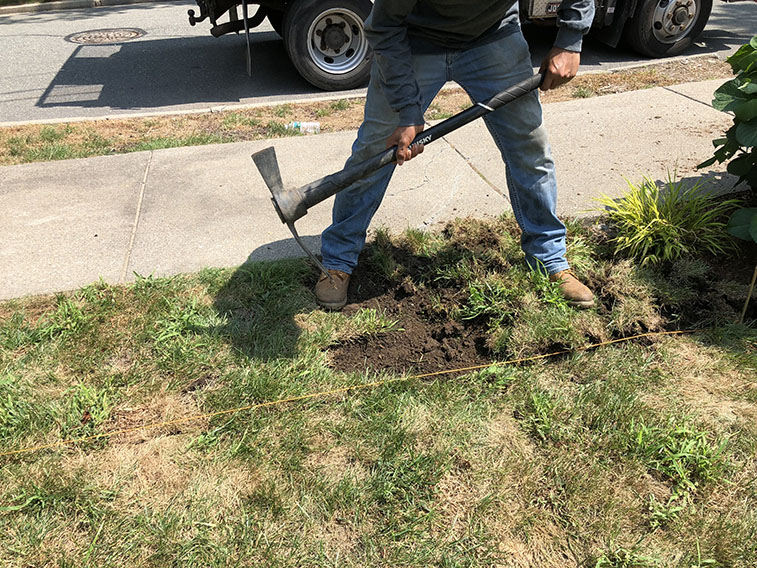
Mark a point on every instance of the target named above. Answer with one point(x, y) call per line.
point(425, 344)
point(428, 339)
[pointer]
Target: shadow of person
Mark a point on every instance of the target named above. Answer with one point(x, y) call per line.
point(259, 303)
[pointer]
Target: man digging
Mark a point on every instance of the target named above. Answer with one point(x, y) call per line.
point(418, 46)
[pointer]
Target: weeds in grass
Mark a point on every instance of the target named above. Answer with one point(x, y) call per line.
point(282, 111)
point(85, 409)
point(678, 452)
point(194, 139)
point(540, 418)
point(68, 319)
point(661, 224)
point(621, 557)
point(583, 92)
point(276, 128)
point(340, 105)
point(534, 464)
point(20, 415)
point(435, 112)
point(235, 120)
point(490, 297)
point(662, 514)
point(370, 321)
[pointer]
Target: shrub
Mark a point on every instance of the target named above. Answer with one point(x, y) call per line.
point(739, 96)
point(661, 224)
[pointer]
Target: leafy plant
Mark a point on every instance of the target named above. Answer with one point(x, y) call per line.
point(661, 224)
point(743, 225)
point(739, 96)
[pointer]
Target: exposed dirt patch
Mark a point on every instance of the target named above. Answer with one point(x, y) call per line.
point(438, 329)
point(426, 343)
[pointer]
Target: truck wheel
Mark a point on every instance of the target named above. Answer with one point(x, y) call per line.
point(667, 27)
point(326, 42)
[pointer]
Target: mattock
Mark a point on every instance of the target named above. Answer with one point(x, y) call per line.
point(293, 204)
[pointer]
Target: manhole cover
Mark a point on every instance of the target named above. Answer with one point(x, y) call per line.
point(104, 37)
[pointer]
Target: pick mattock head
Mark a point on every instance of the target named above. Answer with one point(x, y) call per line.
point(288, 204)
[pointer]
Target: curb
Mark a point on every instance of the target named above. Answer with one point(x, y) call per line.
point(71, 5)
point(357, 94)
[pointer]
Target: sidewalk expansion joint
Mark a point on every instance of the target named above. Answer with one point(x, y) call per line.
point(478, 172)
point(137, 215)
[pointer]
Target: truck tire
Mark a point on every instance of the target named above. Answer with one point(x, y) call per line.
point(326, 42)
point(662, 28)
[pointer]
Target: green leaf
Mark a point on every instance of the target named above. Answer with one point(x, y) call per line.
point(707, 163)
point(753, 228)
point(749, 87)
point(740, 166)
point(744, 59)
point(740, 223)
point(730, 97)
point(746, 133)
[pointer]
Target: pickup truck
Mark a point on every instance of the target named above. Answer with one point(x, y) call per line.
point(326, 42)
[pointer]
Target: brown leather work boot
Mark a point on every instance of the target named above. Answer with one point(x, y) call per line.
point(331, 293)
point(574, 291)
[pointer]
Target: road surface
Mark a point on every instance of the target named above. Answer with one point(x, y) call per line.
point(178, 67)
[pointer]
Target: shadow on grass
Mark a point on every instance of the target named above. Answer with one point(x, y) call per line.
point(259, 303)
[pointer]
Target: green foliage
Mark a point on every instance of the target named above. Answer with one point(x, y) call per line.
point(661, 224)
point(743, 224)
point(489, 297)
point(85, 408)
point(620, 557)
point(678, 452)
point(739, 96)
point(662, 514)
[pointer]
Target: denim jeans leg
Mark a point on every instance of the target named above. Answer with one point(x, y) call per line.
point(521, 138)
point(355, 206)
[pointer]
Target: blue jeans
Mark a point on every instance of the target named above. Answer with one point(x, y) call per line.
point(516, 128)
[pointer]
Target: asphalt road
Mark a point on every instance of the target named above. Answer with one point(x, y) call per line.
point(178, 67)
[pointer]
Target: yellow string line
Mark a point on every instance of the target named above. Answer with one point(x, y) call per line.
point(321, 394)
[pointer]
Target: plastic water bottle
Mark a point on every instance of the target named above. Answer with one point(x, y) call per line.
point(305, 127)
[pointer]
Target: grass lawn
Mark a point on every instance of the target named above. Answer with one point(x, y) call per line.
point(640, 454)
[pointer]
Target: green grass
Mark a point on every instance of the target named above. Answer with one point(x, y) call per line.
point(616, 457)
point(583, 92)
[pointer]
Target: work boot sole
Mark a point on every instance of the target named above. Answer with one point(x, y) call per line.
point(581, 303)
point(333, 305)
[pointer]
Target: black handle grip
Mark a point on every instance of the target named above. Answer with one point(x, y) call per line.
point(322, 189)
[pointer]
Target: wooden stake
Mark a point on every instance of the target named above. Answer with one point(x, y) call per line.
point(749, 295)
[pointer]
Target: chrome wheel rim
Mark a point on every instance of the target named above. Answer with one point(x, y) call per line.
point(337, 42)
point(672, 20)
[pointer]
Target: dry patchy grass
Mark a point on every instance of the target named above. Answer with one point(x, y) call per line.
point(31, 143)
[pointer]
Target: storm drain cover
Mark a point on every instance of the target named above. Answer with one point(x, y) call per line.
point(105, 37)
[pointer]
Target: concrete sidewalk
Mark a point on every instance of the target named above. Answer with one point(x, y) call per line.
point(66, 224)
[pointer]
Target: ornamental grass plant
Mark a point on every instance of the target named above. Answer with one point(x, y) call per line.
point(659, 223)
